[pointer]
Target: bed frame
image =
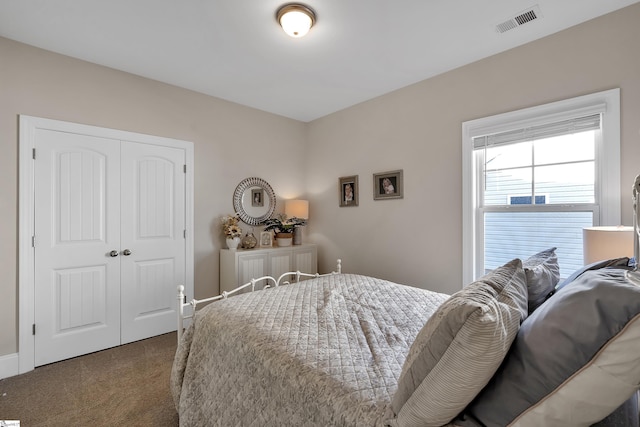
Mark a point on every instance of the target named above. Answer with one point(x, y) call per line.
point(182, 303)
point(634, 276)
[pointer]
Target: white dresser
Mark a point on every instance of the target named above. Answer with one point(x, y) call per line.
point(241, 265)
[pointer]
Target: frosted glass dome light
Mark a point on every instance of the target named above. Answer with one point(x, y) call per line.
point(295, 19)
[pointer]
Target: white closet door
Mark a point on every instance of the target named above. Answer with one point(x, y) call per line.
point(77, 225)
point(152, 238)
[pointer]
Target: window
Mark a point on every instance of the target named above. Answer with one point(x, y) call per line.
point(532, 179)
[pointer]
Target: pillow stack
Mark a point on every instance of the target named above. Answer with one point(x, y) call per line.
point(574, 361)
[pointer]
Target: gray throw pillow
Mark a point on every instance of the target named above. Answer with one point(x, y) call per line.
point(575, 359)
point(459, 348)
point(615, 263)
point(543, 274)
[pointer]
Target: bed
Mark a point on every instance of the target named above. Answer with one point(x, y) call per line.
point(516, 347)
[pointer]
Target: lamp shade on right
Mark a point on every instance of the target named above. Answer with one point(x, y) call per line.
point(601, 243)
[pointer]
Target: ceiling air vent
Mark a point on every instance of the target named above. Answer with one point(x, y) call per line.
point(522, 18)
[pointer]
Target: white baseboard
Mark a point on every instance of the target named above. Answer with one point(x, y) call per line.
point(9, 365)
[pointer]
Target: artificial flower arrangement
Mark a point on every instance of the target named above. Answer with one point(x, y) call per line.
point(230, 226)
point(281, 225)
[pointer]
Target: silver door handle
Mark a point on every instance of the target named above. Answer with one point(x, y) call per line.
point(126, 252)
point(113, 254)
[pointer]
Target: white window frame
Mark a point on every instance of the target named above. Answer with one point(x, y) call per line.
point(607, 175)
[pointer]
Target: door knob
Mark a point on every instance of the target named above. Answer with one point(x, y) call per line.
point(113, 253)
point(126, 252)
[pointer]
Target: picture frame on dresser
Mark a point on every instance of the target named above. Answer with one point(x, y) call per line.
point(266, 239)
point(348, 190)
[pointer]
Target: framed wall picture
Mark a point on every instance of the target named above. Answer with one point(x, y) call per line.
point(266, 239)
point(348, 191)
point(388, 185)
point(257, 198)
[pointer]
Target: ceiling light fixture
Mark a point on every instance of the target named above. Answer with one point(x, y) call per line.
point(296, 19)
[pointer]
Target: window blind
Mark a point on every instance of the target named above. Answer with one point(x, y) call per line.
point(547, 130)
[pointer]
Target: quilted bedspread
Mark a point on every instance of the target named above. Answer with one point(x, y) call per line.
point(324, 352)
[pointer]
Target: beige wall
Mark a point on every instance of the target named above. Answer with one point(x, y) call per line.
point(418, 240)
point(231, 142)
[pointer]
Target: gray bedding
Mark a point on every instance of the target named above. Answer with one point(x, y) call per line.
point(324, 352)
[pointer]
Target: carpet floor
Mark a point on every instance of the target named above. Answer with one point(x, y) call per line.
point(121, 386)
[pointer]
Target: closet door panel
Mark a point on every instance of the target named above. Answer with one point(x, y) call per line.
point(77, 223)
point(152, 238)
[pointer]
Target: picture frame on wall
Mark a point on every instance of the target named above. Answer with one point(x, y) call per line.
point(257, 198)
point(348, 191)
point(266, 239)
point(388, 185)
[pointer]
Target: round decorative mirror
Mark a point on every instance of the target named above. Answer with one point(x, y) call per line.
point(254, 201)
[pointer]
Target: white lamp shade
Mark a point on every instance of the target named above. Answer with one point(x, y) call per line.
point(601, 243)
point(296, 209)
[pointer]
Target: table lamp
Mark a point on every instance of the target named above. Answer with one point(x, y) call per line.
point(602, 243)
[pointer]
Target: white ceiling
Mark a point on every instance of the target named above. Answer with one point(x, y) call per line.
point(235, 50)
